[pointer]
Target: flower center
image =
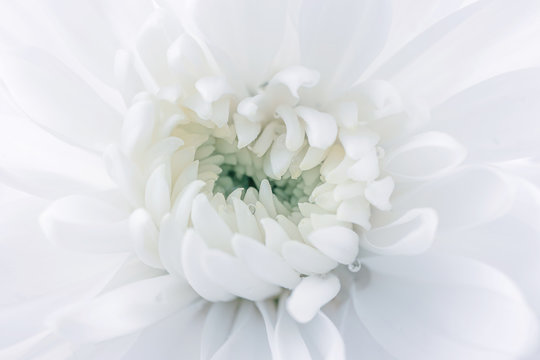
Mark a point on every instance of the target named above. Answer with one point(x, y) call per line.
point(245, 196)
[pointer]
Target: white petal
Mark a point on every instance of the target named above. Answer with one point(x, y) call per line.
point(138, 128)
point(237, 48)
point(202, 214)
point(265, 139)
point(461, 308)
point(236, 277)
point(274, 234)
point(503, 124)
point(358, 341)
point(158, 192)
point(424, 156)
point(265, 263)
point(246, 130)
point(247, 339)
point(246, 222)
point(336, 242)
point(347, 191)
point(178, 336)
point(279, 159)
point(217, 327)
point(342, 38)
point(312, 158)
point(212, 88)
point(295, 77)
point(323, 338)
point(144, 237)
point(266, 197)
point(378, 193)
point(87, 224)
point(358, 142)
point(471, 196)
point(125, 174)
point(36, 159)
point(305, 259)
point(310, 295)
point(346, 114)
point(151, 46)
point(411, 234)
point(356, 211)
point(59, 101)
point(289, 341)
point(193, 251)
point(469, 37)
point(295, 130)
point(365, 169)
point(125, 310)
point(170, 237)
point(23, 247)
point(321, 128)
point(509, 244)
point(42, 184)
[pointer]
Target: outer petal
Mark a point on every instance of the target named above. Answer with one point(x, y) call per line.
point(125, 309)
point(426, 155)
point(468, 197)
point(459, 51)
point(341, 38)
point(106, 25)
point(244, 36)
point(440, 307)
point(87, 224)
point(36, 161)
point(496, 119)
point(175, 337)
point(59, 101)
point(247, 339)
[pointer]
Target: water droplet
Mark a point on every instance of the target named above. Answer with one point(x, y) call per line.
point(252, 208)
point(355, 266)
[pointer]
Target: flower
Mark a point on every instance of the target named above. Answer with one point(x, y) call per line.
point(270, 179)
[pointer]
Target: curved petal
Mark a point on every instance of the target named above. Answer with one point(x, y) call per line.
point(310, 295)
point(178, 336)
point(107, 25)
point(423, 156)
point(217, 327)
point(468, 197)
point(237, 49)
point(36, 159)
point(144, 238)
point(59, 101)
point(337, 242)
point(43, 184)
point(247, 339)
point(413, 233)
point(233, 275)
point(289, 343)
point(341, 38)
point(265, 263)
point(125, 310)
point(87, 224)
point(193, 251)
point(359, 344)
point(443, 307)
point(509, 243)
point(496, 119)
point(323, 338)
point(305, 259)
point(438, 64)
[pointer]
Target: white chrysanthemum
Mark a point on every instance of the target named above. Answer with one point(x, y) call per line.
point(270, 179)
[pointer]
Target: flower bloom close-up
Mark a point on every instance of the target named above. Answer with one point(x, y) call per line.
point(270, 179)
